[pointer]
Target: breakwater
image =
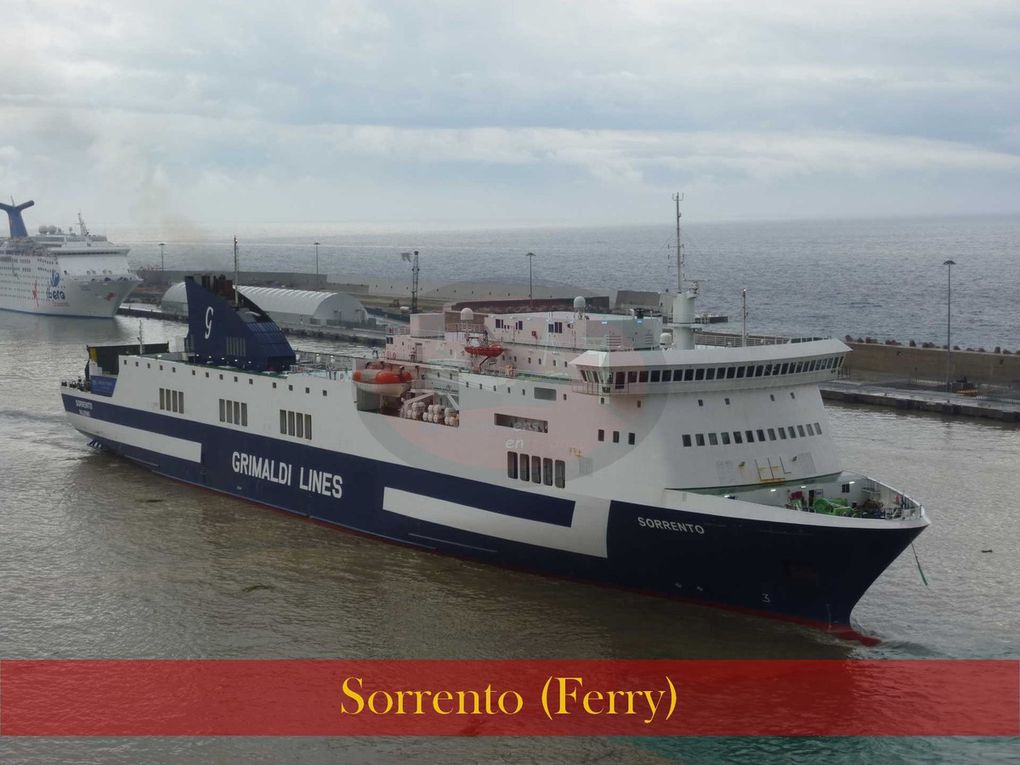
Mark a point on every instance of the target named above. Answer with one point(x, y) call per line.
point(979, 367)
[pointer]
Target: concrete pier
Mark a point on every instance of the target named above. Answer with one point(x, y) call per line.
point(1003, 409)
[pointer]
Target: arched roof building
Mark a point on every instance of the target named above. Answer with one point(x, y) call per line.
point(288, 308)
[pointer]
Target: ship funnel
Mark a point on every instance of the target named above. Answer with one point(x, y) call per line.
point(17, 223)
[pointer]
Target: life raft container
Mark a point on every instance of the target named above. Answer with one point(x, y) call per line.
point(383, 382)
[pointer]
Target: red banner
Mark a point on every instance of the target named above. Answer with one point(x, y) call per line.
point(483, 698)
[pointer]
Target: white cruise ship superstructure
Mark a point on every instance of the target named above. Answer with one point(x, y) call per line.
point(61, 273)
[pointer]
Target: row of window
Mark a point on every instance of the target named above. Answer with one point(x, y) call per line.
point(536, 469)
point(631, 438)
point(171, 400)
point(251, 379)
point(234, 412)
point(692, 374)
point(759, 434)
point(296, 424)
point(501, 324)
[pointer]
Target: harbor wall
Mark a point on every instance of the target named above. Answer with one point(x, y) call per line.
point(930, 363)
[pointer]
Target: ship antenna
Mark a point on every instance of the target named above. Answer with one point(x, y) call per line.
point(237, 279)
point(678, 198)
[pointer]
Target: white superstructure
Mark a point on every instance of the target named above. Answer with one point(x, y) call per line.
point(62, 272)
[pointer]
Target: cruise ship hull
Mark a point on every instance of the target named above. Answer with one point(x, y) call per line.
point(811, 571)
point(98, 299)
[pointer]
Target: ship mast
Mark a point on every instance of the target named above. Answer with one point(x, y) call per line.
point(686, 294)
point(678, 198)
point(237, 279)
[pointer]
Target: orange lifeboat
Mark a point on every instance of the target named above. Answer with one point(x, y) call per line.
point(383, 382)
point(486, 351)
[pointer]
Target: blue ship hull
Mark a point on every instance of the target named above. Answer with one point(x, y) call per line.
point(804, 572)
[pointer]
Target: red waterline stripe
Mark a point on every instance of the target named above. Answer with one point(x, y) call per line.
point(540, 697)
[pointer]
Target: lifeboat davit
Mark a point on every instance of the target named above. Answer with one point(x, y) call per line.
point(487, 351)
point(383, 382)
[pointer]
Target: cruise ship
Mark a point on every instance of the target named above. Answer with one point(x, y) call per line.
point(61, 273)
point(608, 448)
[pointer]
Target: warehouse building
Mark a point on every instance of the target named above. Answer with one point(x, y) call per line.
point(291, 309)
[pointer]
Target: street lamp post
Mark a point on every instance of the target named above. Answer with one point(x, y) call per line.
point(949, 322)
point(316, 264)
point(162, 263)
point(531, 289)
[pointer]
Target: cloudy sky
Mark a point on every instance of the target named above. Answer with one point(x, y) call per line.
point(454, 112)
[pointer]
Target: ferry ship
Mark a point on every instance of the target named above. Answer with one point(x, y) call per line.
point(61, 273)
point(600, 447)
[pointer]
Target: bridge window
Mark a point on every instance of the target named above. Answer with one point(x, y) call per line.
point(511, 463)
point(782, 433)
point(602, 435)
point(800, 431)
point(699, 374)
point(545, 394)
point(737, 438)
point(630, 439)
point(655, 375)
point(561, 474)
point(761, 434)
point(750, 436)
point(818, 429)
point(643, 376)
point(547, 472)
point(792, 432)
point(686, 439)
point(725, 438)
point(713, 439)
point(699, 439)
point(536, 469)
point(525, 467)
point(710, 373)
point(772, 434)
point(688, 375)
point(740, 372)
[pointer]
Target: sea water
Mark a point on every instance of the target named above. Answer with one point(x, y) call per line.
point(101, 559)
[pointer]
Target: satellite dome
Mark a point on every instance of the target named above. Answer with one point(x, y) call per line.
point(466, 315)
point(665, 339)
point(579, 304)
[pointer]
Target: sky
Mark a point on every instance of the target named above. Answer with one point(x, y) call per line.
point(177, 113)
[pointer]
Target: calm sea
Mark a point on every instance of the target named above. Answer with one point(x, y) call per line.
point(878, 278)
point(98, 558)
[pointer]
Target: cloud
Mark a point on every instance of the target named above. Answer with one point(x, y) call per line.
point(155, 108)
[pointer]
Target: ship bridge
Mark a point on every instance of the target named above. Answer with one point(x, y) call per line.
point(670, 370)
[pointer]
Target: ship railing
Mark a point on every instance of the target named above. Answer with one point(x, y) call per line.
point(323, 361)
point(725, 340)
point(467, 327)
point(593, 388)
